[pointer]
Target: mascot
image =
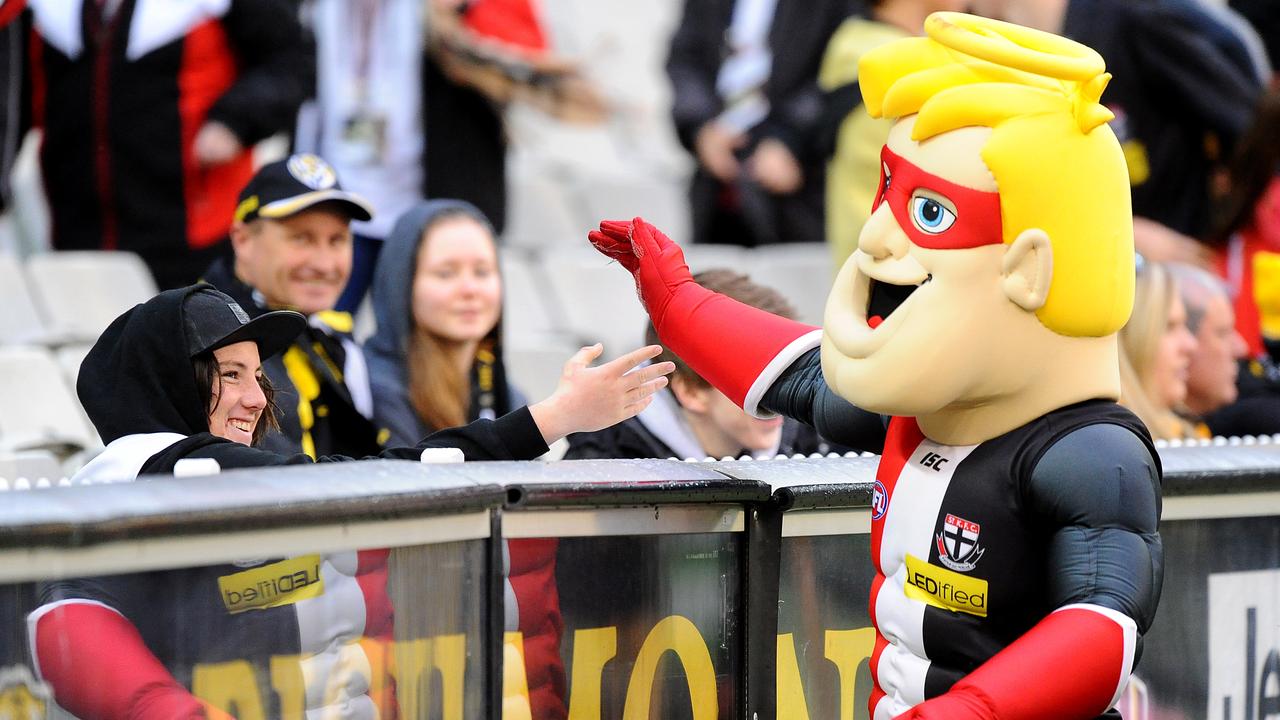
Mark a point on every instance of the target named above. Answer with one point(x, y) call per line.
point(1015, 510)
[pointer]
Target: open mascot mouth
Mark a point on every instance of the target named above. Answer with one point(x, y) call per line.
point(883, 298)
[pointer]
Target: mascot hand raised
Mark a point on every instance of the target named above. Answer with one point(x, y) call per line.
point(697, 324)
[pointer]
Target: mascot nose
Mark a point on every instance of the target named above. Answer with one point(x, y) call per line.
point(881, 238)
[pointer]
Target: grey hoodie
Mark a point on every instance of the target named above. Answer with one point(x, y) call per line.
point(387, 351)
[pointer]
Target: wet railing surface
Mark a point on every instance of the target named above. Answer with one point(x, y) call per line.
point(587, 589)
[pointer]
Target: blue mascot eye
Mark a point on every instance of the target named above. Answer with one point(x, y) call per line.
point(930, 215)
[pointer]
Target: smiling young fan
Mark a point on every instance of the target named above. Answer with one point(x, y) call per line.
point(1015, 511)
point(180, 376)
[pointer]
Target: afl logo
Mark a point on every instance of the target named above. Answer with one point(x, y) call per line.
point(879, 501)
point(312, 171)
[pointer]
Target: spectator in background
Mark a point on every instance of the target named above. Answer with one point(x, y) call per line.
point(436, 362)
point(12, 78)
point(1180, 102)
point(291, 240)
point(436, 358)
point(848, 135)
point(150, 111)
point(404, 115)
point(1211, 375)
point(747, 105)
point(695, 420)
point(1155, 354)
point(1247, 227)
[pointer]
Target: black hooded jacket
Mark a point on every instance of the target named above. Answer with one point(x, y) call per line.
point(137, 379)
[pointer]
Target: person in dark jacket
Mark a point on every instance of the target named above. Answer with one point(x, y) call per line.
point(436, 362)
point(1181, 102)
point(746, 104)
point(693, 419)
point(150, 111)
point(180, 377)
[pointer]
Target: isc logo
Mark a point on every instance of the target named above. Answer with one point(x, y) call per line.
point(933, 460)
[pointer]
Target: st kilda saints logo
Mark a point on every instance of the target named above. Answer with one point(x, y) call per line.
point(958, 546)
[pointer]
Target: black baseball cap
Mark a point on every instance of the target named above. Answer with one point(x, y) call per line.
point(214, 320)
point(289, 186)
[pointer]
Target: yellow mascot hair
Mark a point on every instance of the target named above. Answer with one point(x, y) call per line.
point(1056, 163)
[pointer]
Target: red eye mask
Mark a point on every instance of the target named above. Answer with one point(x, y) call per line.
point(977, 217)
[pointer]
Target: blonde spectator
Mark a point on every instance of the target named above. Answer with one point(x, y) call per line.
point(1155, 354)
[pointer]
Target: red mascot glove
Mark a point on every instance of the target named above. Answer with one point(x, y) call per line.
point(99, 667)
point(739, 349)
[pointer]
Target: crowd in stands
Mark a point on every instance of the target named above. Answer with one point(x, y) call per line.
point(392, 203)
point(148, 122)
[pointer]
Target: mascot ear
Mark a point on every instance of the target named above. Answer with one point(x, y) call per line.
point(1027, 269)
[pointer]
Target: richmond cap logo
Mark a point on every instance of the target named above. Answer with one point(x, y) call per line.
point(958, 546)
point(312, 171)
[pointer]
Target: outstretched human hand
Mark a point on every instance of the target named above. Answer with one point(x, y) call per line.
point(655, 260)
point(592, 398)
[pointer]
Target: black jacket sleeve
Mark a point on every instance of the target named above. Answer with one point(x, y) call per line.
point(802, 393)
point(275, 70)
point(514, 436)
point(692, 66)
point(1098, 491)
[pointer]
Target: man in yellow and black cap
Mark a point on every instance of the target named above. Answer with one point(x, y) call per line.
point(292, 250)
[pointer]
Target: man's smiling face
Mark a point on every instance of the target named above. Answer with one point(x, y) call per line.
point(915, 320)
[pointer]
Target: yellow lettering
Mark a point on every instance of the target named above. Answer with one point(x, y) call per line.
point(592, 649)
point(790, 688)
point(412, 662)
point(287, 682)
point(411, 665)
point(450, 658)
point(230, 687)
point(515, 682)
point(847, 649)
point(678, 634)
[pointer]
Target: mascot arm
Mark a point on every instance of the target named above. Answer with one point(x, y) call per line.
point(100, 667)
point(800, 392)
point(1100, 486)
point(737, 348)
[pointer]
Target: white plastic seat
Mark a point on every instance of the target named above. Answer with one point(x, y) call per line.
point(80, 292)
point(20, 322)
point(529, 305)
point(534, 366)
point(598, 297)
point(69, 359)
point(540, 213)
point(33, 468)
point(802, 272)
point(38, 410)
point(709, 257)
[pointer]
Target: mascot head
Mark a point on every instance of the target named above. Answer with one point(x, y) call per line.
point(997, 264)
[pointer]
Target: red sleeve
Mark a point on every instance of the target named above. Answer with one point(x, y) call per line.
point(100, 668)
point(1071, 666)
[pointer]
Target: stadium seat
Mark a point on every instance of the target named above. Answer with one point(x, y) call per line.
point(33, 468)
point(534, 366)
point(800, 271)
point(598, 297)
point(69, 359)
point(529, 305)
point(80, 292)
point(20, 323)
point(540, 212)
point(706, 257)
point(38, 410)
